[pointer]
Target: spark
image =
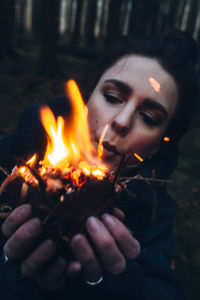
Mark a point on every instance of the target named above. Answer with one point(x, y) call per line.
point(138, 157)
point(166, 139)
point(155, 84)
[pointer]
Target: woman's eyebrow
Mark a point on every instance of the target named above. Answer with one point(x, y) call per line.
point(154, 104)
point(121, 85)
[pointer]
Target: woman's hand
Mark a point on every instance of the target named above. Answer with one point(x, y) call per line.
point(113, 244)
point(112, 240)
point(41, 263)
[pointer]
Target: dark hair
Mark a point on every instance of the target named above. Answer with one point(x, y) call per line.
point(177, 53)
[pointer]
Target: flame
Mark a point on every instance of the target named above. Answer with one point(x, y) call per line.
point(155, 84)
point(31, 162)
point(69, 146)
point(100, 146)
point(56, 149)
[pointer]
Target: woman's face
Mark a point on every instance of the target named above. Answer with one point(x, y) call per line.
point(136, 112)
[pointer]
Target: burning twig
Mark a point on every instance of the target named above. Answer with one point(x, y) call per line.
point(8, 180)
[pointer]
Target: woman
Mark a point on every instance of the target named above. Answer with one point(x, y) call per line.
point(141, 89)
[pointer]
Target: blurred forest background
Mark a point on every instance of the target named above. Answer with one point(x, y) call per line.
point(45, 42)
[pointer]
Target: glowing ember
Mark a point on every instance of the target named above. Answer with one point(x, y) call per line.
point(155, 84)
point(31, 162)
point(166, 139)
point(138, 157)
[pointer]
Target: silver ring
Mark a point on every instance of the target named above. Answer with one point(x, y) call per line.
point(95, 282)
point(11, 263)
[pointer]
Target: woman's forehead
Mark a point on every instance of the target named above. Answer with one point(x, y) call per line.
point(147, 77)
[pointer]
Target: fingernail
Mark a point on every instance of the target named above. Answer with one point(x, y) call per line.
point(108, 220)
point(33, 226)
point(60, 263)
point(79, 242)
point(47, 246)
point(24, 212)
point(93, 225)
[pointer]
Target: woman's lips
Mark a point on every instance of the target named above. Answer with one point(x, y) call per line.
point(109, 150)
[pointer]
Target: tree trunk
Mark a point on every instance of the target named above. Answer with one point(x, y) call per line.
point(172, 14)
point(180, 13)
point(103, 20)
point(192, 16)
point(113, 26)
point(36, 17)
point(21, 25)
point(124, 13)
point(76, 33)
point(69, 17)
point(48, 64)
point(155, 11)
point(7, 17)
point(90, 21)
point(141, 18)
point(144, 16)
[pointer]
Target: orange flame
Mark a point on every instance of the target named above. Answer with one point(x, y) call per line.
point(69, 144)
point(100, 146)
point(155, 84)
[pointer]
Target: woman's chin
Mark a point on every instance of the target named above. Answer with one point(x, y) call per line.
point(111, 160)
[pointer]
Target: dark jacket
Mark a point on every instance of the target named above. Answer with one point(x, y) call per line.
point(149, 215)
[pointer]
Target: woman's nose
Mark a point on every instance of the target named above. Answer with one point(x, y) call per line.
point(119, 128)
point(122, 122)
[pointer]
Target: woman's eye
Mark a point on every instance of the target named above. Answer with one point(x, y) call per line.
point(112, 98)
point(149, 120)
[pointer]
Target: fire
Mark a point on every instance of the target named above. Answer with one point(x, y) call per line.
point(31, 162)
point(56, 148)
point(69, 147)
point(155, 84)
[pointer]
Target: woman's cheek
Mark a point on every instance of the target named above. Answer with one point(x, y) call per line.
point(144, 144)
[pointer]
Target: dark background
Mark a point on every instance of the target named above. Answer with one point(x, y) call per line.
point(45, 42)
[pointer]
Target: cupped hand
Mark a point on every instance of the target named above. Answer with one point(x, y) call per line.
point(49, 270)
point(113, 244)
point(40, 262)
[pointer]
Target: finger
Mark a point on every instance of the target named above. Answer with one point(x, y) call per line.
point(129, 246)
point(112, 259)
point(85, 255)
point(17, 245)
point(18, 217)
point(119, 213)
point(52, 277)
point(38, 258)
point(74, 269)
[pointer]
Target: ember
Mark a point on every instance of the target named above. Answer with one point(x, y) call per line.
point(138, 157)
point(166, 139)
point(155, 84)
